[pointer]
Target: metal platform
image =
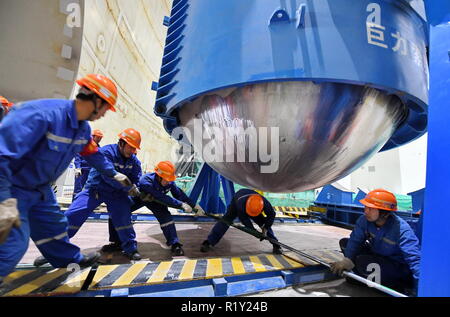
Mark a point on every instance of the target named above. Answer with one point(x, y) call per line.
point(218, 276)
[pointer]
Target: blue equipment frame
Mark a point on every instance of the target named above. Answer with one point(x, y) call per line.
point(435, 263)
point(208, 183)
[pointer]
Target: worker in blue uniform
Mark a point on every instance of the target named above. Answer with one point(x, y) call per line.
point(155, 187)
point(381, 237)
point(82, 167)
point(99, 189)
point(247, 205)
point(38, 140)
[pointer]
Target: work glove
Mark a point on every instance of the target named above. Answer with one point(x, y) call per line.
point(186, 207)
point(199, 210)
point(123, 180)
point(134, 191)
point(77, 172)
point(146, 198)
point(9, 217)
point(344, 265)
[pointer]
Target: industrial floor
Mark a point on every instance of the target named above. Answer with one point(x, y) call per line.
point(151, 244)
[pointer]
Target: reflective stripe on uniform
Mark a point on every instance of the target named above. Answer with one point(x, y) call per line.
point(124, 227)
point(389, 241)
point(65, 140)
point(245, 196)
point(167, 224)
point(58, 237)
point(122, 166)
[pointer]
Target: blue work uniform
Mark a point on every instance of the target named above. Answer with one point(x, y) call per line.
point(85, 168)
point(99, 189)
point(38, 140)
point(83, 165)
point(237, 209)
point(394, 246)
point(150, 185)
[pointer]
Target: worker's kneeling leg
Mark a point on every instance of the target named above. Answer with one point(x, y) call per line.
point(166, 222)
point(80, 209)
point(343, 244)
point(113, 236)
point(48, 227)
point(217, 232)
point(120, 213)
point(383, 270)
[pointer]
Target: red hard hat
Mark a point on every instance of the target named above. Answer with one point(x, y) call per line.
point(102, 86)
point(380, 199)
point(254, 205)
point(132, 137)
point(166, 170)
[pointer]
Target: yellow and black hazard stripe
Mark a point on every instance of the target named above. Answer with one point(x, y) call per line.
point(287, 209)
point(144, 273)
point(41, 282)
point(294, 212)
point(50, 282)
point(318, 209)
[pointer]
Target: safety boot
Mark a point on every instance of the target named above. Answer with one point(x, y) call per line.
point(206, 246)
point(277, 249)
point(40, 261)
point(112, 247)
point(177, 249)
point(89, 259)
point(134, 256)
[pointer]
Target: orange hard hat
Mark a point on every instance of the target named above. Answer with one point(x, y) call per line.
point(102, 86)
point(132, 137)
point(254, 205)
point(97, 132)
point(380, 199)
point(166, 170)
point(5, 102)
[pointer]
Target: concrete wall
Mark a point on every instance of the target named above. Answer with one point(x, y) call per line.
point(124, 40)
point(40, 44)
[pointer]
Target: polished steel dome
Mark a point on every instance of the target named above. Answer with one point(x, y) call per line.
point(290, 136)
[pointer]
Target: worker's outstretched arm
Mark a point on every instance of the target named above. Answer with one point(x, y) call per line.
point(136, 173)
point(180, 195)
point(189, 205)
point(146, 185)
point(77, 161)
point(357, 238)
point(97, 159)
point(102, 161)
point(19, 133)
point(270, 214)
